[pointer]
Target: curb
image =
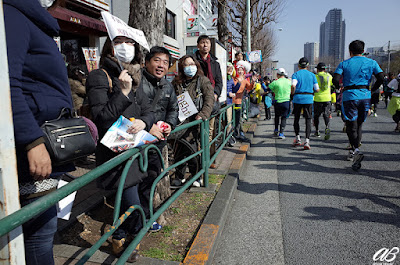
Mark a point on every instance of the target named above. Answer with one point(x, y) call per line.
point(205, 243)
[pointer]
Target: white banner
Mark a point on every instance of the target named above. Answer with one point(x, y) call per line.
point(186, 106)
point(117, 27)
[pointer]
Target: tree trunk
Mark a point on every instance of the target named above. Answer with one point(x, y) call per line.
point(149, 16)
point(163, 191)
point(222, 22)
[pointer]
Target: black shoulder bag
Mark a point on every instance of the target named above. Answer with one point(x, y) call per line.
point(67, 138)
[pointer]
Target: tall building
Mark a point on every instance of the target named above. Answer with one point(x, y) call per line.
point(311, 52)
point(332, 37)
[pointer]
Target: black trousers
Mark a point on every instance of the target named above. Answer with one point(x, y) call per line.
point(307, 114)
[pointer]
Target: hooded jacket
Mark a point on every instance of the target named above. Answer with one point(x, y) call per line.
point(215, 69)
point(38, 76)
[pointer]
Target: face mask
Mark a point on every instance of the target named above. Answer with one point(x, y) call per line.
point(190, 71)
point(46, 3)
point(124, 52)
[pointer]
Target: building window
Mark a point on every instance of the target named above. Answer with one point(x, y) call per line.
point(170, 24)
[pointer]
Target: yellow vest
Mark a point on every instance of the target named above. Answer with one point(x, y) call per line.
point(324, 82)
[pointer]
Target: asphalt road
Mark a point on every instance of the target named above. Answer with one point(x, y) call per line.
point(309, 207)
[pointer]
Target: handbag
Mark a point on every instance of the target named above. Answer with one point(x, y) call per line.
point(67, 138)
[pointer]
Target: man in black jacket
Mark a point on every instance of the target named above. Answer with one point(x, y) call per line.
point(212, 70)
point(163, 101)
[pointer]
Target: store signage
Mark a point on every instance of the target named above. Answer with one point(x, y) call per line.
point(192, 24)
point(91, 58)
point(189, 7)
point(117, 27)
point(97, 4)
point(193, 34)
point(75, 20)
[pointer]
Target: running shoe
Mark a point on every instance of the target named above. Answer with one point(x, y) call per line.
point(358, 158)
point(307, 146)
point(317, 134)
point(281, 136)
point(296, 142)
point(350, 156)
point(276, 132)
point(327, 134)
point(155, 227)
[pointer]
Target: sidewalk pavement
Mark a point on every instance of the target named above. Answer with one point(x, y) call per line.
point(230, 162)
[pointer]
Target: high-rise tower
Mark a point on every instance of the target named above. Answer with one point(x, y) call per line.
point(332, 37)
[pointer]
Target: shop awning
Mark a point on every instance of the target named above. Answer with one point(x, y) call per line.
point(80, 19)
point(175, 53)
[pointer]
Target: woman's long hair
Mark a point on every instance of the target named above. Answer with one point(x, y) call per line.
point(108, 48)
point(181, 74)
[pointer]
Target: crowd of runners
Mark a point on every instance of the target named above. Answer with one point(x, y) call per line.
point(353, 89)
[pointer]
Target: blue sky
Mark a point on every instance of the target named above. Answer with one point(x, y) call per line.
point(374, 22)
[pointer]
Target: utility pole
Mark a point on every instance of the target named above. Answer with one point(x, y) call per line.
point(248, 26)
point(11, 245)
point(388, 67)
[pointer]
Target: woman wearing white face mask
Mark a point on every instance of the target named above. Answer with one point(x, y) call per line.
point(113, 92)
point(189, 75)
point(192, 79)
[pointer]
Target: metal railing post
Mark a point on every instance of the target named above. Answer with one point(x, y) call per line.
point(11, 244)
point(205, 145)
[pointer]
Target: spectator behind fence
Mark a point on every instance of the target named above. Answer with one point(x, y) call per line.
point(39, 90)
point(230, 95)
point(241, 84)
point(265, 93)
point(113, 92)
point(191, 78)
point(212, 70)
point(163, 101)
point(77, 80)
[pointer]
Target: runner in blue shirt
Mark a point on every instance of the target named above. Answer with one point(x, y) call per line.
point(357, 73)
point(304, 83)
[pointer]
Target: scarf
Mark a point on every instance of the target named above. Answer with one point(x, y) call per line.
point(133, 71)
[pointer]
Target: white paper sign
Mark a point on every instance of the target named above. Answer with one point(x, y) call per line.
point(186, 106)
point(117, 27)
point(64, 206)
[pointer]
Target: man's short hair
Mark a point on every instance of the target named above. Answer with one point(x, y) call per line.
point(357, 47)
point(156, 50)
point(203, 37)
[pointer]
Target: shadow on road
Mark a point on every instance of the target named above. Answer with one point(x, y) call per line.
point(329, 213)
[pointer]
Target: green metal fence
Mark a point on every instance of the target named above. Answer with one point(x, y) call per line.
point(222, 135)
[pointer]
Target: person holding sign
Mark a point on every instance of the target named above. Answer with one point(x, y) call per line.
point(114, 91)
point(191, 79)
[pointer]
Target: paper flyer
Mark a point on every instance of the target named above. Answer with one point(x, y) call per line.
point(186, 106)
point(64, 206)
point(118, 140)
